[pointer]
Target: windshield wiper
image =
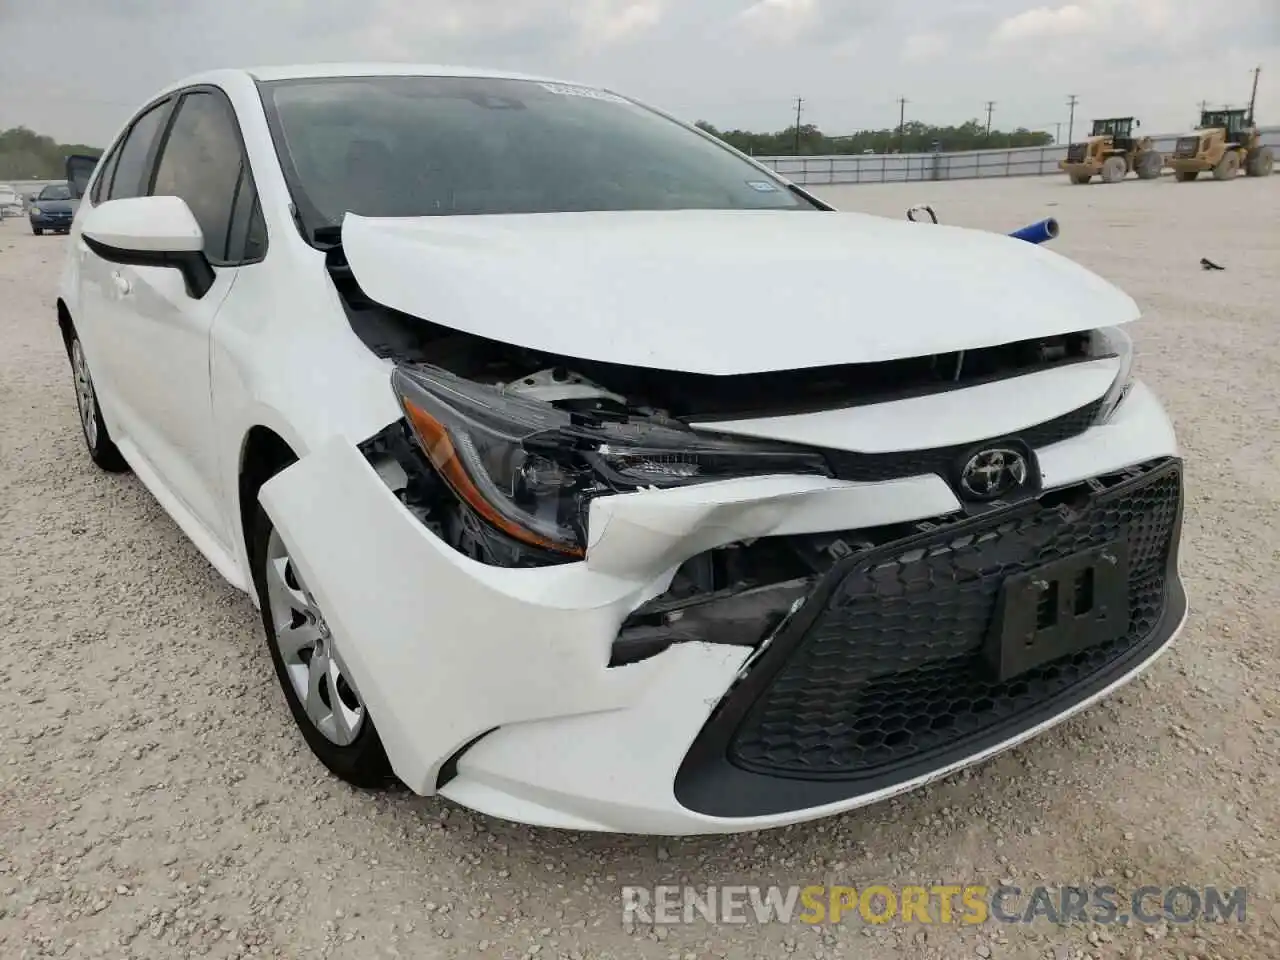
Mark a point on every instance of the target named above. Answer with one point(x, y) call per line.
point(809, 198)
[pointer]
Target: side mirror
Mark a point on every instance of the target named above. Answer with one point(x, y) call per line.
point(151, 232)
point(79, 168)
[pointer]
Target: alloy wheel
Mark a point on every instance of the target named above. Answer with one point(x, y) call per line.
point(86, 399)
point(306, 647)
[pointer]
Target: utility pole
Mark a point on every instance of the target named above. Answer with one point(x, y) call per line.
point(1057, 136)
point(1253, 97)
point(902, 123)
point(991, 105)
point(799, 104)
point(1071, 122)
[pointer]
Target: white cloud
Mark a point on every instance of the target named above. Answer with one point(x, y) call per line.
point(1049, 22)
point(1166, 25)
point(922, 47)
point(779, 21)
point(609, 21)
point(397, 28)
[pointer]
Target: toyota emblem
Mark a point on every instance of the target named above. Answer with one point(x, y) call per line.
point(991, 474)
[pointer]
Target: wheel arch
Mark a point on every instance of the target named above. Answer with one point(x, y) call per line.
point(263, 454)
point(65, 324)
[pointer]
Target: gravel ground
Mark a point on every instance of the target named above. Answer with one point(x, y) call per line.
point(156, 801)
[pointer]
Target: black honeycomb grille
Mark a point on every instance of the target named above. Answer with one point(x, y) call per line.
point(871, 467)
point(891, 672)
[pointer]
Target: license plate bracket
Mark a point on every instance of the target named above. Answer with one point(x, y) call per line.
point(1059, 608)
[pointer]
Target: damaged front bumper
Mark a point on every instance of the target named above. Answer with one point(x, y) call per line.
point(571, 696)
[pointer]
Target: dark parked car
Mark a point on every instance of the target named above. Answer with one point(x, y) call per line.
point(53, 210)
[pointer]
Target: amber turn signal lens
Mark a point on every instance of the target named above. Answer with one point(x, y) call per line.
point(435, 441)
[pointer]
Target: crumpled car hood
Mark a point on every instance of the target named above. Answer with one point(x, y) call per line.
point(725, 292)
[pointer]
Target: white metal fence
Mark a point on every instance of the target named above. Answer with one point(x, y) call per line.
point(966, 165)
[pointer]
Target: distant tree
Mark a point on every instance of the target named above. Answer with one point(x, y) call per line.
point(27, 155)
point(915, 137)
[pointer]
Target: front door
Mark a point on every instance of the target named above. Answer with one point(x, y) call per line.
point(200, 160)
point(155, 334)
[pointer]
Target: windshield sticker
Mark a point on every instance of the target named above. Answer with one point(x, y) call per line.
point(763, 186)
point(564, 90)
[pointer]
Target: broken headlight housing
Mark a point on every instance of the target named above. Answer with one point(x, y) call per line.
point(531, 469)
point(1113, 342)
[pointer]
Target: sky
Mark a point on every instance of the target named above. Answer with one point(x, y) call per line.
point(76, 69)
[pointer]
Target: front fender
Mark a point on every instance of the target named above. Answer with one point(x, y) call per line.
point(442, 648)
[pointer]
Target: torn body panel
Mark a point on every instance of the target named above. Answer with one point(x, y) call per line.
point(512, 645)
point(508, 646)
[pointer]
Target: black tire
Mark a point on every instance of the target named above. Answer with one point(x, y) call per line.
point(1114, 169)
point(1260, 163)
point(1149, 164)
point(362, 763)
point(38, 231)
point(1227, 167)
point(97, 439)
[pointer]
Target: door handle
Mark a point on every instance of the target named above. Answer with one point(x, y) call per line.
point(123, 286)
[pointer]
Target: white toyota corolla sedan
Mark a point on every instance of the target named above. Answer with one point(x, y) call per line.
point(591, 475)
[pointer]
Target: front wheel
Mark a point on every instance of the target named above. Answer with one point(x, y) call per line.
point(1227, 167)
point(37, 231)
point(317, 686)
point(1114, 169)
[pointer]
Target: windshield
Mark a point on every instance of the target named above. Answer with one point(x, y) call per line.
point(56, 191)
point(1116, 128)
point(439, 146)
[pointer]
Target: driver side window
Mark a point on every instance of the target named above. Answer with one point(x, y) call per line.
point(202, 163)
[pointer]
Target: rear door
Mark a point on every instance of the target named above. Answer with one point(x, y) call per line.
point(98, 305)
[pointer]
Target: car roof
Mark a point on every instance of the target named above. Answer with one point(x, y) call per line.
point(313, 71)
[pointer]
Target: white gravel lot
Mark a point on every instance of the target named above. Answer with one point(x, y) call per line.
point(156, 801)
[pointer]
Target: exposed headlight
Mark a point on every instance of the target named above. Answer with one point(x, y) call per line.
point(1113, 342)
point(532, 469)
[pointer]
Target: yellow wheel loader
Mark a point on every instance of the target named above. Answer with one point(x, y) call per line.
point(1111, 152)
point(1224, 143)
